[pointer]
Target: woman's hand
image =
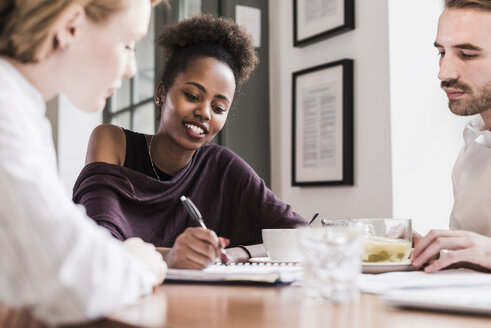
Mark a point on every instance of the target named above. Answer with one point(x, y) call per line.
point(195, 248)
point(469, 249)
point(147, 254)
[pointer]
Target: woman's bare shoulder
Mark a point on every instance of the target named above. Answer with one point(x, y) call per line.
point(107, 144)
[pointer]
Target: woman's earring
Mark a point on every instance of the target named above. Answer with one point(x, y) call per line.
point(157, 101)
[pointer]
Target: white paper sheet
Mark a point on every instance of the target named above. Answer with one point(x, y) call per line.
point(473, 299)
point(386, 282)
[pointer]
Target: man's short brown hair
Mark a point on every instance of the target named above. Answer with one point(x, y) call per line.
point(477, 4)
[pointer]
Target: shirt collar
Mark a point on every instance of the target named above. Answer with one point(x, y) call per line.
point(34, 95)
point(476, 132)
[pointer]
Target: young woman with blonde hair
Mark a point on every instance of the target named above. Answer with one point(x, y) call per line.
point(55, 260)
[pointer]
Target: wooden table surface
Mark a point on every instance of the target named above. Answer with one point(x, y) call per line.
point(178, 305)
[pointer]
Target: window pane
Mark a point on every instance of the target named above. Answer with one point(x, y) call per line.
point(145, 61)
point(121, 97)
point(144, 118)
point(188, 8)
point(122, 120)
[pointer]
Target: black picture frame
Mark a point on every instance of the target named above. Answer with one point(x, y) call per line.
point(309, 30)
point(322, 125)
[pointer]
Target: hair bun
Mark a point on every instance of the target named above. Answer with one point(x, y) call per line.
point(206, 29)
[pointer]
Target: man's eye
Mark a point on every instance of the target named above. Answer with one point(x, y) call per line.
point(468, 56)
point(441, 53)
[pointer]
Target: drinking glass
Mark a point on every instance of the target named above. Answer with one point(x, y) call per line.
point(331, 262)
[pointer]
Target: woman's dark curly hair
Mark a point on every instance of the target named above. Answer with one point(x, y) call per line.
point(205, 35)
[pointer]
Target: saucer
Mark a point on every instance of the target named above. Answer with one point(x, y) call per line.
point(381, 267)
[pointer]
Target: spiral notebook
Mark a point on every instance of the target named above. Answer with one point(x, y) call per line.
point(241, 273)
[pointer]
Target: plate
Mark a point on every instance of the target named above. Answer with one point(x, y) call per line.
point(376, 267)
point(381, 267)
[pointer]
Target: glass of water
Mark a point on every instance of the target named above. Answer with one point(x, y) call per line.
point(331, 262)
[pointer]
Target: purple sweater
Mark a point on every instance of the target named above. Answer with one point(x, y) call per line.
point(232, 198)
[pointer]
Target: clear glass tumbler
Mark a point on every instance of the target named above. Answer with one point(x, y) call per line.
point(331, 262)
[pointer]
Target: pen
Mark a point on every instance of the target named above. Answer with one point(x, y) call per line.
point(196, 215)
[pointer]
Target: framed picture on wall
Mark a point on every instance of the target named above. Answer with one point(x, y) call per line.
point(322, 125)
point(315, 20)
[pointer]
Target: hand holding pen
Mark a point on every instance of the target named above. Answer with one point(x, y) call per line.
point(196, 215)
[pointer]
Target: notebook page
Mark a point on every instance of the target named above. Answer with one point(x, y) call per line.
point(239, 272)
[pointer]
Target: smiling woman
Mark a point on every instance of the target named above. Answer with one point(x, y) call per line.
point(208, 59)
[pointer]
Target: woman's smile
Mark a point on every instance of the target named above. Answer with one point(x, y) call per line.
point(195, 130)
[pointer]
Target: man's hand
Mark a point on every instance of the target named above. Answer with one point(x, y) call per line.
point(195, 248)
point(147, 254)
point(467, 247)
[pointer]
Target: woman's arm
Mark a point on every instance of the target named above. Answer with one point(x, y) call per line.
point(235, 254)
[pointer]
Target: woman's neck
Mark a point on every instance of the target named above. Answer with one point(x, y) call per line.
point(167, 156)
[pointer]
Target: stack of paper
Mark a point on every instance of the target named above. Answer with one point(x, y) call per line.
point(471, 299)
point(382, 283)
point(455, 290)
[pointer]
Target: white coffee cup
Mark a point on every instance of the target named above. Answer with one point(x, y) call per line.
point(282, 245)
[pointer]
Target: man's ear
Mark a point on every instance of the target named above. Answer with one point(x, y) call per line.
point(159, 95)
point(68, 26)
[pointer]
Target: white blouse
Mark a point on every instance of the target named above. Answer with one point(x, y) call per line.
point(471, 178)
point(54, 259)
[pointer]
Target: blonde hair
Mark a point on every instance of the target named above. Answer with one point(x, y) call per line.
point(26, 26)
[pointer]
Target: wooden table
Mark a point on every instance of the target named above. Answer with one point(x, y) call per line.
point(246, 306)
point(177, 305)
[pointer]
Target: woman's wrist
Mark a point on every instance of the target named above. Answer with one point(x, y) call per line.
point(248, 253)
point(237, 254)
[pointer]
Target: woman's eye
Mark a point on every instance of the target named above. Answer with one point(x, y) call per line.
point(219, 109)
point(191, 96)
point(130, 48)
point(441, 53)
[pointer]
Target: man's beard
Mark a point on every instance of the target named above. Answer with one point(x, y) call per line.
point(475, 104)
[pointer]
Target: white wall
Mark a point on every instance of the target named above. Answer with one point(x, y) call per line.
point(74, 128)
point(406, 139)
point(426, 137)
point(371, 195)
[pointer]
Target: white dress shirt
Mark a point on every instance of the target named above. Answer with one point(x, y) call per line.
point(53, 258)
point(471, 178)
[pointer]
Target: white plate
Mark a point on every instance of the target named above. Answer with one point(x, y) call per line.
point(381, 267)
point(377, 267)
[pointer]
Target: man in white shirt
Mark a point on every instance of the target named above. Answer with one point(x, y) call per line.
point(54, 260)
point(464, 43)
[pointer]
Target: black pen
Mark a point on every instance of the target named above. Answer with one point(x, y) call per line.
point(196, 215)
